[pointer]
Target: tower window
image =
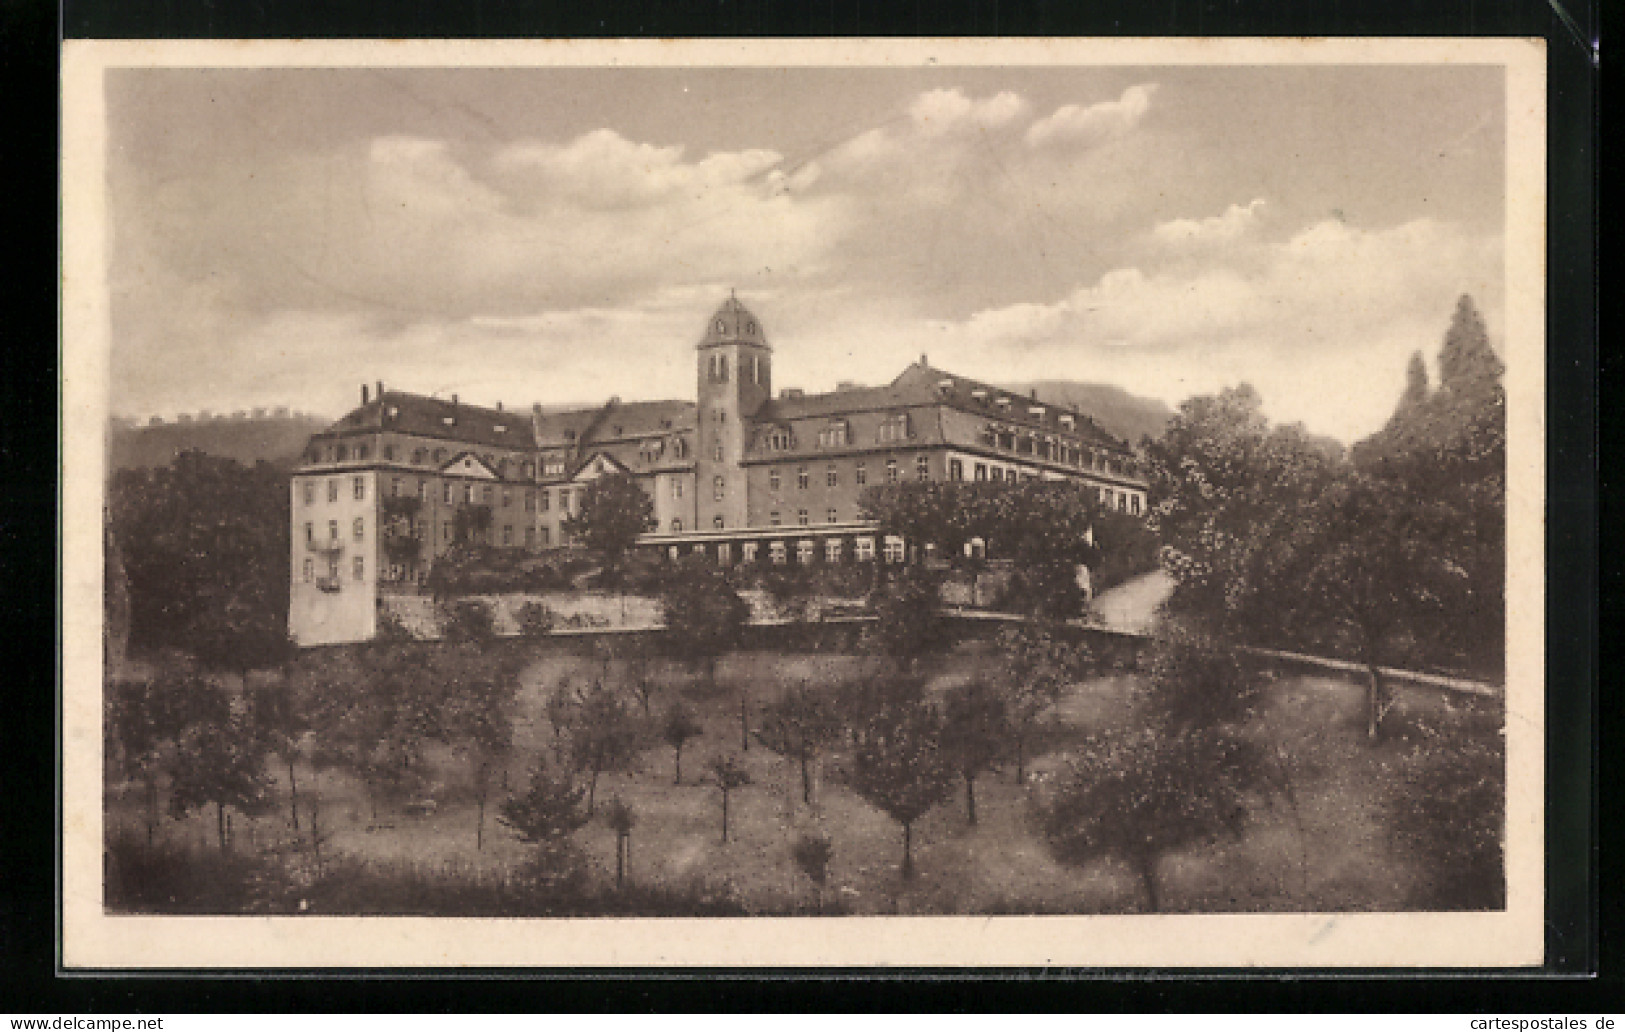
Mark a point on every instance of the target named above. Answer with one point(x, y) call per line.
point(310, 493)
point(359, 528)
point(676, 525)
point(332, 490)
point(956, 469)
point(773, 518)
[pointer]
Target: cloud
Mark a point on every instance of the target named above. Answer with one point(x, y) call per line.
point(1095, 124)
point(1236, 221)
point(604, 170)
point(939, 111)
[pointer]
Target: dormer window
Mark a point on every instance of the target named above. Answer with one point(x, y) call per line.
point(500, 428)
point(894, 428)
point(1067, 420)
point(448, 420)
point(1004, 404)
point(834, 435)
point(569, 435)
point(722, 327)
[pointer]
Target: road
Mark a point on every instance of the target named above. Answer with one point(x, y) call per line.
point(1132, 605)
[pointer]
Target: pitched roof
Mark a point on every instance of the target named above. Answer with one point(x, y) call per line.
point(439, 417)
point(922, 384)
point(614, 421)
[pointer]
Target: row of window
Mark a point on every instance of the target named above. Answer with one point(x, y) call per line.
point(358, 568)
point(358, 489)
point(1006, 439)
point(860, 474)
point(451, 493)
point(778, 552)
point(838, 434)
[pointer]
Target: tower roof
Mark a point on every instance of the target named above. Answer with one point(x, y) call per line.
point(733, 323)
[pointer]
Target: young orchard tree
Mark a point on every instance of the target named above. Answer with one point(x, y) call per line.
point(800, 726)
point(975, 733)
point(280, 723)
point(812, 852)
point(219, 762)
point(1038, 665)
point(546, 814)
point(622, 819)
point(705, 615)
point(729, 774)
point(681, 726)
point(480, 691)
point(613, 511)
point(899, 767)
point(145, 719)
point(1184, 778)
point(603, 737)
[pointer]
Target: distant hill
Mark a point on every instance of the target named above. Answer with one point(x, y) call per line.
point(1116, 410)
point(277, 439)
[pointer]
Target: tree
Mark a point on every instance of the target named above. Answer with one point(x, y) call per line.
point(535, 619)
point(1141, 794)
point(1038, 664)
point(1186, 776)
point(1373, 573)
point(812, 852)
point(280, 724)
point(204, 544)
point(704, 615)
point(467, 619)
point(602, 736)
point(471, 524)
point(218, 762)
point(546, 815)
point(480, 691)
point(613, 512)
point(622, 819)
point(1231, 497)
point(975, 733)
point(899, 767)
point(680, 726)
point(729, 774)
point(799, 726)
point(144, 719)
point(908, 623)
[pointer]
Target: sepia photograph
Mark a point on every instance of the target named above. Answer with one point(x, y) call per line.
point(821, 503)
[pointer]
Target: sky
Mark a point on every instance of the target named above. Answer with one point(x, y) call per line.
point(281, 236)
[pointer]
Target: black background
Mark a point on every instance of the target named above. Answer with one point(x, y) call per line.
point(1582, 914)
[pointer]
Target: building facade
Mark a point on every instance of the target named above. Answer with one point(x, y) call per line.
point(737, 474)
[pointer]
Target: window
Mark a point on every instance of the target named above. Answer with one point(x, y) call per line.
point(832, 478)
point(394, 487)
point(779, 439)
point(716, 452)
point(310, 570)
point(530, 501)
point(485, 495)
point(423, 490)
point(332, 530)
point(894, 428)
point(446, 532)
point(360, 451)
point(676, 525)
point(922, 467)
point(333, 568)
point(891, 471)
point(801, 478)
point(724, 553)
point(832, 516)
point(773, 479)
point(332, 490)
point(359, 528)
point(420, 456)
point(778, 553)
point(956, 469)
point(1134, 504)
point(860, 475)
point(310, 533)
point(389, 453)
point(747, 552)
point(677, 487)
point(341, 453)
point(833, 436)
point(718, 488)
point(802, 518)
point(446, 490)
point(720, 415)
point(679, 447)
point(310, 493)
point(527, 471)
point(507, 534)
point(439, 456)
point(545, 499)
point(832, 550)
point(359, 566)
point(717, 522)
point(530, 537)
point(1122, 502)
point(981, 471)
point(507, 498)
point(894, 550)
point(804, 551)
point(773, 518)
point(864, 549)
point(546, 536)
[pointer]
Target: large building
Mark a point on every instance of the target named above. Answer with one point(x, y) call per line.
point(738, 474)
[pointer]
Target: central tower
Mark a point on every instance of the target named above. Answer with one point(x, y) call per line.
point(734, 366)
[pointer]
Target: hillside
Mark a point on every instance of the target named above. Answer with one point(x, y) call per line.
point(1119, 412)
point(276, 439)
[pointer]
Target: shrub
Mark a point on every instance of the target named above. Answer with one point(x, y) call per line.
point(1446, 808)
point(535, 619)
point(466, 620)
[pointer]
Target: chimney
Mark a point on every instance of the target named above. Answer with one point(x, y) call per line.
point(380, 391)
point(363, 394)
point(454, 401)
point(499, 406)
point(923, 359)
point(1034, 393)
